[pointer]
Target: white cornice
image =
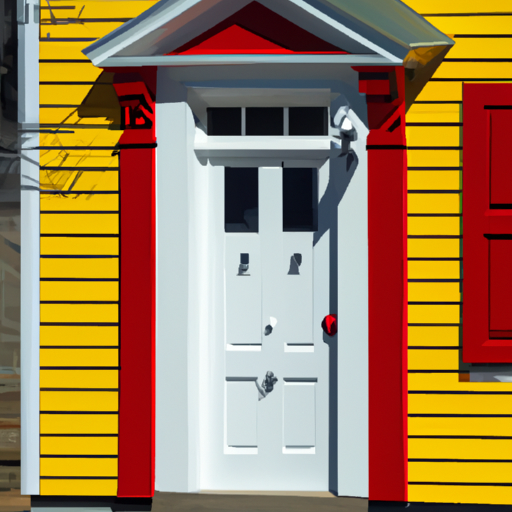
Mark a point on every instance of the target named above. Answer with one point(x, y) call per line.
point(222, 60)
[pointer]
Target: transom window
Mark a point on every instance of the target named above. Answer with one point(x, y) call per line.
point(247, 121)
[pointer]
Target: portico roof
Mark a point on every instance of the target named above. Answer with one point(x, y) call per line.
point(370, 32)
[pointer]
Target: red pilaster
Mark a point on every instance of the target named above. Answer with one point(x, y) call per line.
point(387, 245)
point(136, 93)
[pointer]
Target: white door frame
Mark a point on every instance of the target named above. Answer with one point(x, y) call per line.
point(183, 287)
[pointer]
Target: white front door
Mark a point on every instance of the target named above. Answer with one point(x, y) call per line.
point(270, 434)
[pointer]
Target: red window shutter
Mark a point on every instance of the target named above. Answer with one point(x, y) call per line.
point(487, 223)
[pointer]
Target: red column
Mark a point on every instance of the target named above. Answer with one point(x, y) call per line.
point(387, 246)
point(136, 93)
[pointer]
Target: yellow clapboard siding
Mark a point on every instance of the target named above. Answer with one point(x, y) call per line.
point(79, 446)
point(458, 426)
point(434, 113)
point(433, 203)
point(68, 71)
point(460, 449)
point(82, 400)
point(75, 122)
point(75, 487)
point(79, 423)
point(81, 137)
point(440, 91)
point(78, 158)
point(79, 379)
point(433, 135)
point(434, 269)
point(434, 158)
point(492, 472)
point(433, 248)
point(78, 467)
point(73, 335)
point(481, 48)
point(434, 180)
point(432, 359)
point(55, 115)
point(434, 292)
point(79, 291)
point(62, 94)
point(459, 404)
point(93, 30)
point(49, 49)
point(79, 357)
point(81, 202)
point(99, 268)
point(460, 494)
point(79, 246)
point(471, 24)
point(433, 314)
point(451, 382)
point(94, 224)
point(82, 180)
point(433, 225)
point(433, 335)
point(101, 9)
point(79, 313)
point(467, 70)
point(425, 7)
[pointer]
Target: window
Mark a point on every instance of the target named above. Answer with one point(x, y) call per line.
point(487, 224)
point(300, 199)
point(241, 200)
point(268, 121)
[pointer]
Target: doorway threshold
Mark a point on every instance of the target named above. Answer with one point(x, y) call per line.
point(305, 494)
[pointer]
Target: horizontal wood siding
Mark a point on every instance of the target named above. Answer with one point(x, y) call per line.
point(79, 182)
point(460, 432)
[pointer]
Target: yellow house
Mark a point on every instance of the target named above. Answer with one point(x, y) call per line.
point(227, 177)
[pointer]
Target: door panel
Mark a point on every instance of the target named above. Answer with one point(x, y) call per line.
point(299, 416)
point(241, 414)
point(243, 292)
point(297, 290)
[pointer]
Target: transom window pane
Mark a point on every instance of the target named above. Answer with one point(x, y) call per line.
point(224, 121)
point(308, 121)
point(264, 121)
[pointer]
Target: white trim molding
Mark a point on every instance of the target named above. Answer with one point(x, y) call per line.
point(221, 60)
point(28, 119)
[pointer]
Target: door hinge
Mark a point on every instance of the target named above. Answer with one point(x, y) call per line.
point(22, 12)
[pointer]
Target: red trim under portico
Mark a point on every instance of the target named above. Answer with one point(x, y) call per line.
point(387, 278)
point(136, 450)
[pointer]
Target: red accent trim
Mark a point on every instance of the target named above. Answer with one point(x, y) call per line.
point(480, 220)
point(137, 290)
point(387, 261)
point(256, 29)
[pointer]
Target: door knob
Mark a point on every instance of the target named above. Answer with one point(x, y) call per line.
point(267, 386)
point(330, 325)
